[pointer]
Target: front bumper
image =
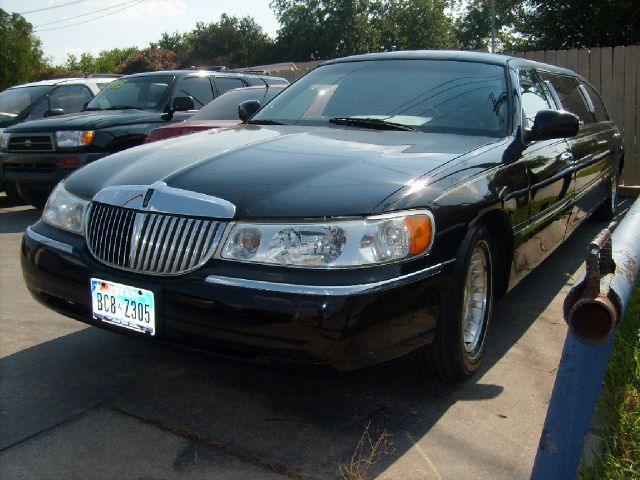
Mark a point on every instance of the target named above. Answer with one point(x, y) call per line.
point(216, 309)
point(47, 168)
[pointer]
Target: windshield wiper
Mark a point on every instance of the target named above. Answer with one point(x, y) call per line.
point(265, 122)
point(377, 123)
point(114, 107)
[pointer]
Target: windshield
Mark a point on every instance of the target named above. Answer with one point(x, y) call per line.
point(428, 95)
point(225, 107)
point(15, 100)
point(144, 92)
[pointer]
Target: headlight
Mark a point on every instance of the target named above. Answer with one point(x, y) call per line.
point(74, 138)
point(65, 210)
point(4, 140)
point(373, 240)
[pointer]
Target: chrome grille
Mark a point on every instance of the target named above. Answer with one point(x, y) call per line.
point(30, 143)
point(150, 242)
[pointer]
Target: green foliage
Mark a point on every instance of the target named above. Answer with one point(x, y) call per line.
point(319, 29)
point(581, 23)
point(232, 41)
point(149, 60)
point(20, 53)
point(549, 24)
point(619, 407)
point(105, 62)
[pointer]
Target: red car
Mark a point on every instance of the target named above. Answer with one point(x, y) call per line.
point(221, 112)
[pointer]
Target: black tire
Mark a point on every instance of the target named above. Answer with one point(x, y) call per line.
point(12, 193)
point(450, 357)
point(33, 194)
point(607, 211)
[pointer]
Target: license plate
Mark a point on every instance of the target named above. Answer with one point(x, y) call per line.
point(123, 305)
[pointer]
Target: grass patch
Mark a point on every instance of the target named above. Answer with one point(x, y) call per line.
point(619, 407)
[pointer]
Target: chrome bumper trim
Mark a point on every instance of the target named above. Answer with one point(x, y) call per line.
point(328, 290)
point(65, 247)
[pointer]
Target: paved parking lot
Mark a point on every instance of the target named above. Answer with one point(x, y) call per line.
point(79, 402)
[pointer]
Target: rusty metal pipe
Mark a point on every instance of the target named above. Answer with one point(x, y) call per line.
point(595, 304)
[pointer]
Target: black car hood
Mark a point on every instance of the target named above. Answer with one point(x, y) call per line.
point(89, 120)
point(282, 171)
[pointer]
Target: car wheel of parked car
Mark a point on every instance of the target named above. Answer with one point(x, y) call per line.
point(607, 210)
point(12, 193)
point(33, 195)
point(458, 346)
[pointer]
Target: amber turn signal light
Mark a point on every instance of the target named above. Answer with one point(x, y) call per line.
point(419, 227)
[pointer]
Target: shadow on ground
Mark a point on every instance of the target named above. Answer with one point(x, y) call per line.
point(308, 422)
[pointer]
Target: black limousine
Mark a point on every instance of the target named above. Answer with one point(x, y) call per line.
point(375, 208)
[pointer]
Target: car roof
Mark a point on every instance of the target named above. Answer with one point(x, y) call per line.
point(480, 57)
point(64, 81)
point(259, 87)
point(181, 73)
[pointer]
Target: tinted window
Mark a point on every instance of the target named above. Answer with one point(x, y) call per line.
point(571, 99)
point(15, 100)
point(198, 88)
point(70, 98)
point(134, 92)
point(430, 95)
point(598, 104)
point(224, 84)
point(225, 107)
point(533, 96)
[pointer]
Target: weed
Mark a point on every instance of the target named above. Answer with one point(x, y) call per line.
point(366, 454)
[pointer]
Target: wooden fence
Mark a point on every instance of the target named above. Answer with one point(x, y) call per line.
point(614, 72)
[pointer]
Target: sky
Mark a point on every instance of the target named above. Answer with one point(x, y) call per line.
point(131, 23)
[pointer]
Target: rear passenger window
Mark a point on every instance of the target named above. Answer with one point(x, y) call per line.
point(533, 97)
point(225, 84)
point(570, 96)
point(198, 88)
point(598, 104)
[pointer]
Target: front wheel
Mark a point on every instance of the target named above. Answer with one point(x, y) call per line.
point(458, 347)
point(33, 194)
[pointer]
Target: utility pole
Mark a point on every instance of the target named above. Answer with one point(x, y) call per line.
point(493, 26)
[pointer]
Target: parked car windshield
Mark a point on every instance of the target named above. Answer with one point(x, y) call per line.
point(225, 107)
point(14, 100)
point(144, 92)
point(427, 95)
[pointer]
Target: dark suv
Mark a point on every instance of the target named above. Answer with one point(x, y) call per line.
point(47, 98)
point(38, 154)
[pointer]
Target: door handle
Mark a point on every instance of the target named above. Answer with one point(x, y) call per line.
point(566, 156)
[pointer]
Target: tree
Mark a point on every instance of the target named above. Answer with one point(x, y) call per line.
point(415, 25)
point(105, 62)
point(320, 29)
point(546, 24)
point(581, 23)
point(231, 41)
point(20, 53)
point(473, 28)
point(149, 60)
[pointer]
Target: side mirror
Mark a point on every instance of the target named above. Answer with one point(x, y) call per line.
point(183, 104)
point(54, 112)
point(247, 108)
point(550, 124)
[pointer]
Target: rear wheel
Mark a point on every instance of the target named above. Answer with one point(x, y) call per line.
point(34, 195)
point(458, 347)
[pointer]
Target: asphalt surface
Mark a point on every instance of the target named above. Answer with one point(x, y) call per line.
point(80, 402)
